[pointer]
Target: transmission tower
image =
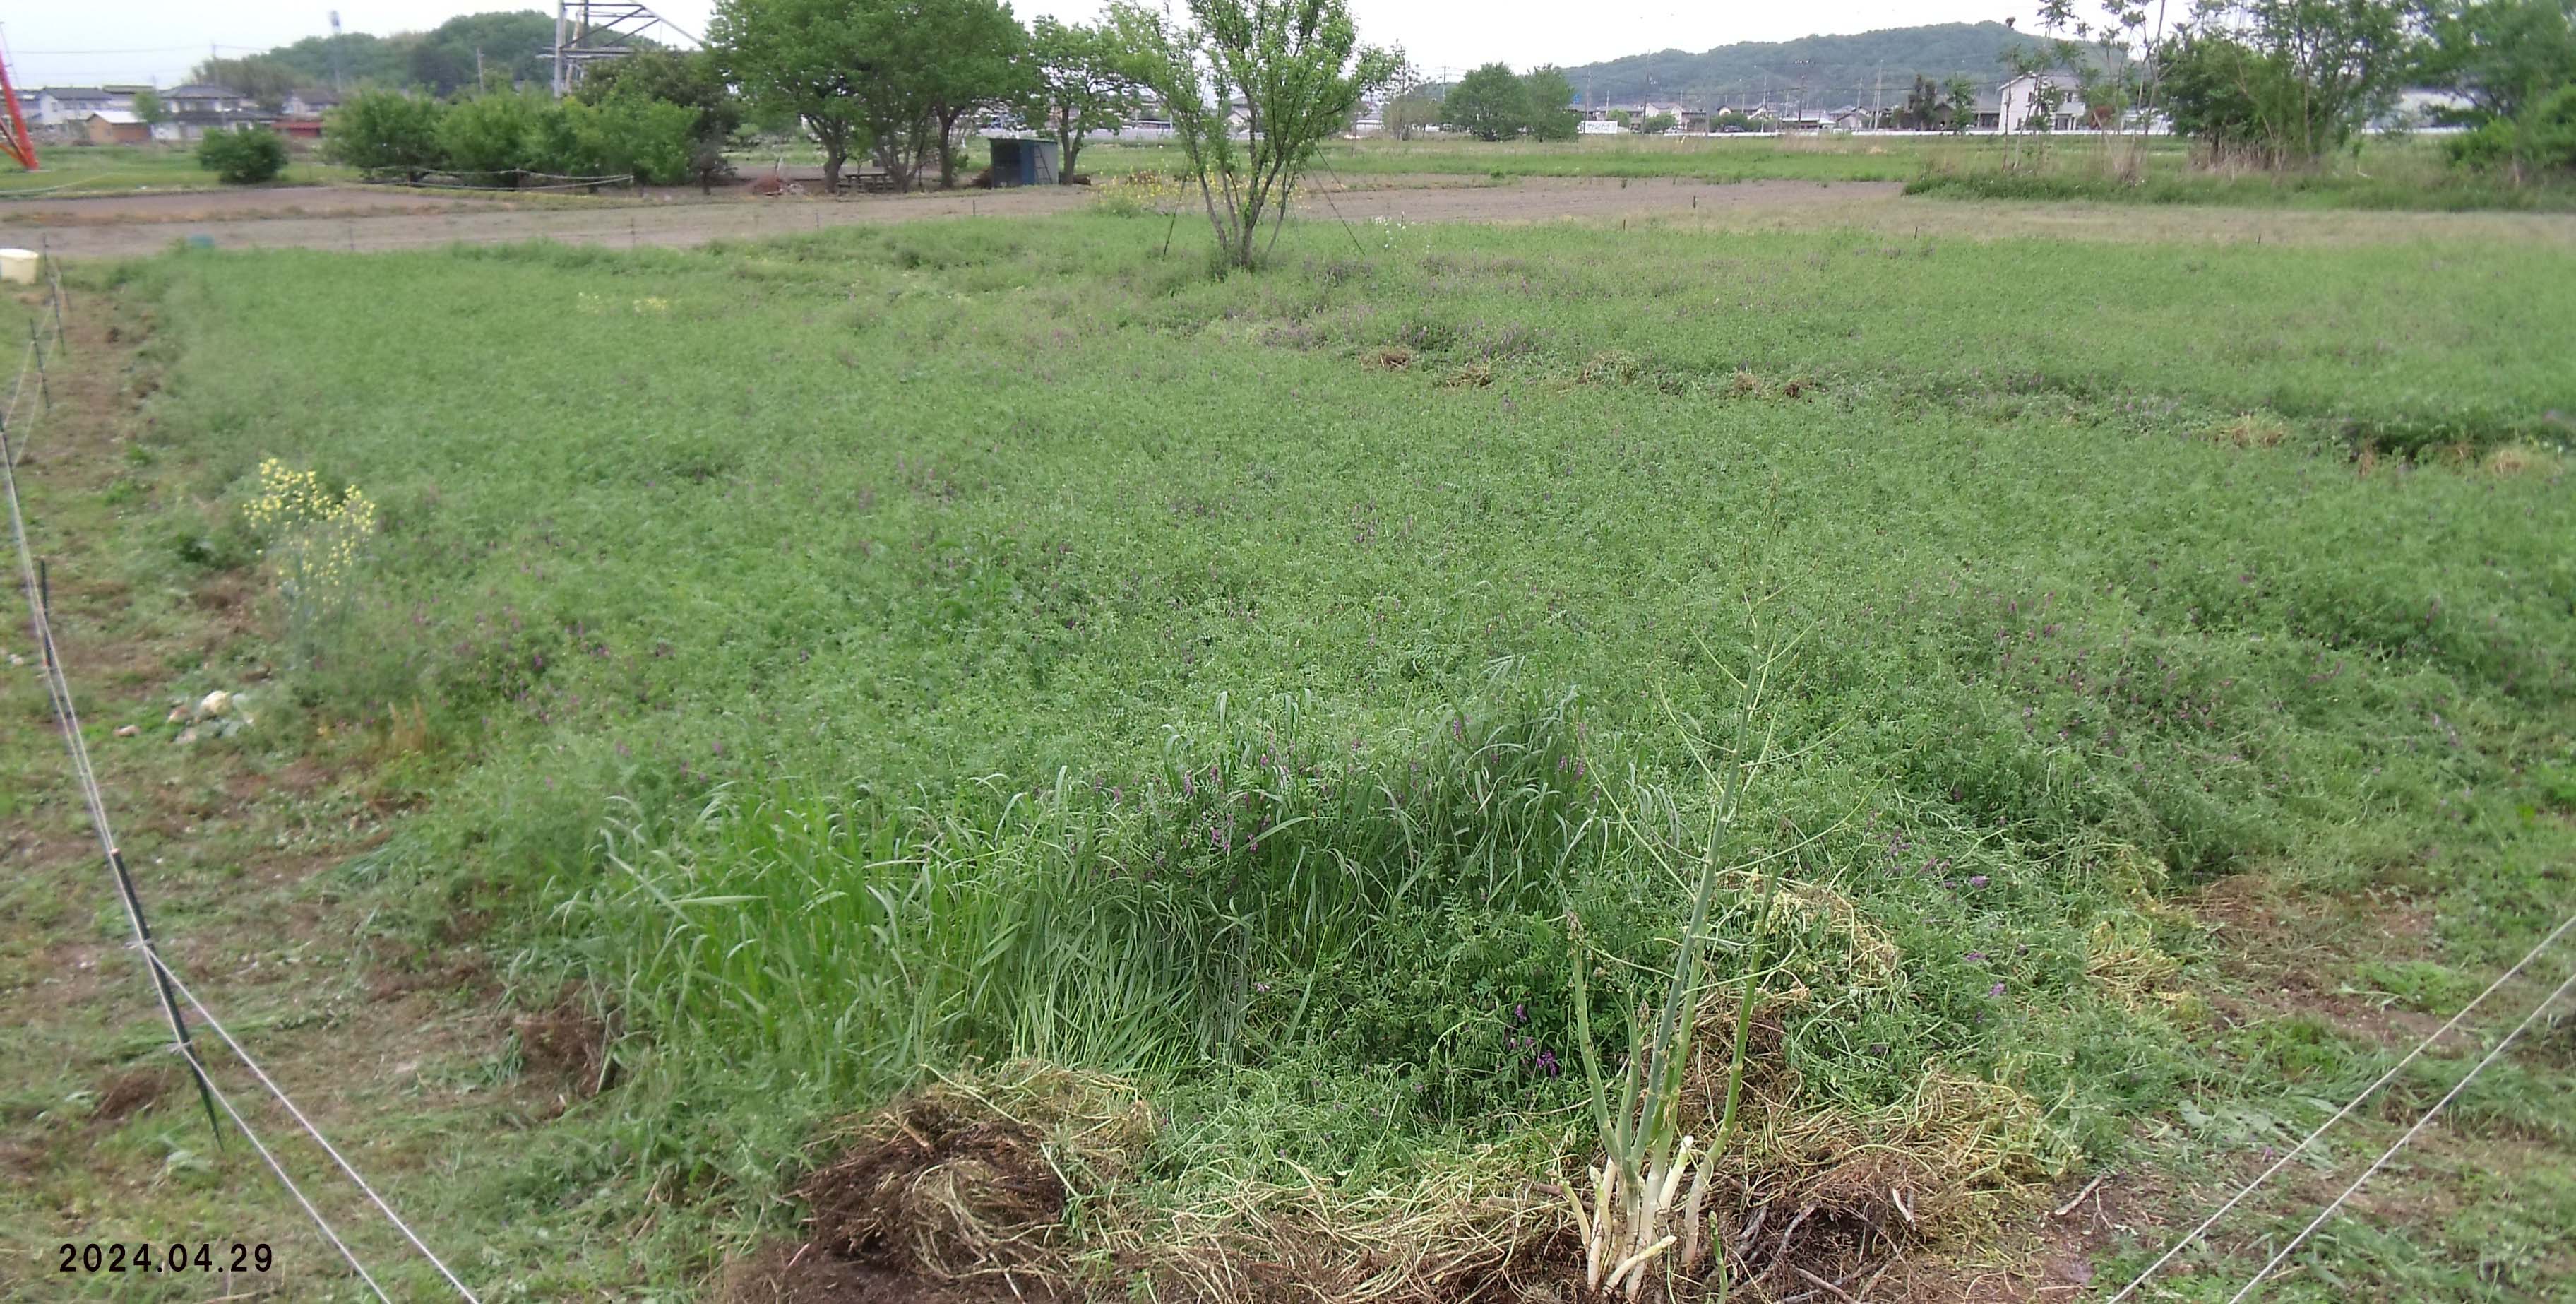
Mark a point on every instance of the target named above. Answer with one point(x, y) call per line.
point(587, 31)
point(14, 140)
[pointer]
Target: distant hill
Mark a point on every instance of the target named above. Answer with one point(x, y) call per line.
point(1836, 70)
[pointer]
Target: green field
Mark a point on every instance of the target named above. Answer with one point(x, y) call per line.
point(864, 659)
point(2376, 174)
point(121, 169)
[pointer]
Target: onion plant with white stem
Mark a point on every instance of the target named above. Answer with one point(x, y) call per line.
point(1639, 1210)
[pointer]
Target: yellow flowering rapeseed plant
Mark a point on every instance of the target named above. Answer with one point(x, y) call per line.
point(598, 305)
point(1138, 192)
point(313, 536)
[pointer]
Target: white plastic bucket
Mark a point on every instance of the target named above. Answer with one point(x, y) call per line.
point(18, 266)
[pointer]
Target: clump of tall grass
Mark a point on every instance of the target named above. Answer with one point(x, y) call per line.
point(857, 936)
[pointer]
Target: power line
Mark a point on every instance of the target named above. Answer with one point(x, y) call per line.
point(156, 49)
point(2339, 1115)
point(2400, 1144)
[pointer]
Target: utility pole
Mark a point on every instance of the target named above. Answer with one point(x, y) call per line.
point(479, 84)
point(335, 51)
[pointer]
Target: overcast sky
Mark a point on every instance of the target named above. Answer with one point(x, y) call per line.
point(157, 40)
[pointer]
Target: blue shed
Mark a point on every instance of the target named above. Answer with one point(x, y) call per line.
point(1020, 161)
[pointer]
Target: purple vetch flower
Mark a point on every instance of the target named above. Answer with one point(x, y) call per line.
point(1520, 1014)
point(1996, 991)
point(1974, 957)
point(1547, 1063)
point(1978, 880)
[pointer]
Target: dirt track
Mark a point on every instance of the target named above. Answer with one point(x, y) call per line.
point(357, 219)
point(370, 220)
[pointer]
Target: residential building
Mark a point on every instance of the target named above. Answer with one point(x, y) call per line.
point(2023, 103)
point(197, 108)
point(310, 103)
point(114, 127)
point(70, 106)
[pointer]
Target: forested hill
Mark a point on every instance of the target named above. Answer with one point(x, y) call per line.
point(1837, 70)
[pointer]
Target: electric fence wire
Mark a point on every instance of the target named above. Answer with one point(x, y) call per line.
point(319, 1222)
point(165, 981)
point(2339, 1115)
point(2400, 1143)
point(96, 179)
point(36, 356)
point(153, 955)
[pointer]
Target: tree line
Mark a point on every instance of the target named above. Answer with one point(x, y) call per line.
point(661, 117)
point(1251, 88)
point(2286, 83)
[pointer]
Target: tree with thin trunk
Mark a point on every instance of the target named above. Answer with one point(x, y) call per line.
point(1080, 86)
point(1293, 69)
point(967, 56)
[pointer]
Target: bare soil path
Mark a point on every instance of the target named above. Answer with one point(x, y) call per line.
point(363, 220)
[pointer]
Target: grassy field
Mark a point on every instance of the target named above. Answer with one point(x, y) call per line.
point(120, 169)
point(2377, 174)
point(817, 668)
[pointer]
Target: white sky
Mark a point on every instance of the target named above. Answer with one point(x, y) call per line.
point(157, 40)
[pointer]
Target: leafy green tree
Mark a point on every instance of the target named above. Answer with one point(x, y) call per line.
point(149, 108)
point(965, 56)
point(2284, 82)
point(896, 74)
point(2514, 62)
point(1923, 109)
point(1961, 107)
point(1409, 114)
point(387, 131)
point(1658, 123)
point(243, 158)
point(627, 134)
point(1488, 103)
point(808, 58)
point(1301, 71)
point(495, 134)
point(689, 79)
point(1550, 98)
point(264, 81)
point(2541, 138)
point(1081, 85)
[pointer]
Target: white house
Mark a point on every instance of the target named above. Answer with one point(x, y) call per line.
point(70, 106)
point(2025, 97)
